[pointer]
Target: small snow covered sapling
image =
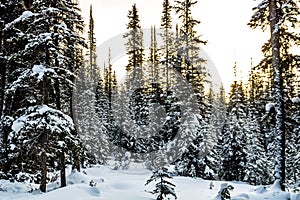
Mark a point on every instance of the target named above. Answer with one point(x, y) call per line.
point(93, 183)
point(163, 188)
point(224, 193)
point(211, 185)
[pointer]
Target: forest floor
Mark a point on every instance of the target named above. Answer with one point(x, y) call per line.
point(129, 184)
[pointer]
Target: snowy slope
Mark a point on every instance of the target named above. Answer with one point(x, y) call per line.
point(129, 185)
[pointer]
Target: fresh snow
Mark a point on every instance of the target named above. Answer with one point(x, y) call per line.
point(55, 119)
point(40, 71)
point(21, 18)
point(109, 184)
point(269, 106)
point(296, 100)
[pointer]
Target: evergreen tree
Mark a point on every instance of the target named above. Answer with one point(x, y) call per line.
point(234, 139)
point(192, 64)
point(10, 10)
point(108, 80)
point(163, 187)
point(92, 47)
point(189, 64)
point(44, 70)
point(135, 49)
point(259, 167)
point(167, 36)
point(154, 61)
point(219, 112)
point(93, 105)
point(259, 130)
point(292, 151)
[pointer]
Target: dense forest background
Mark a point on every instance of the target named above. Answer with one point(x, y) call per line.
point(58, 108)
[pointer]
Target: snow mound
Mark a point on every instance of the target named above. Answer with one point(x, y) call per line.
point(295, 196)
point(275, 187)
point(72, 192)
point(261, 189)
point(242, 196)
point(15, 187)
point(77, 177)
point(94, 191)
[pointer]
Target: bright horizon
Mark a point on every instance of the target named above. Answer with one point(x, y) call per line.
point(223, 25)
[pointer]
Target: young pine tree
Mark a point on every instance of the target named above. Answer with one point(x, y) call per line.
point(233, 136)
point(135, 49)
point(163, 188)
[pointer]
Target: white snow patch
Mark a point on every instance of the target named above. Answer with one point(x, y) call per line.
point(261, 189)
point(24, 15)
point(40, 71)
point(269, 106)
point(11, 187)
point(77, 177)
point(18, 124)
point(296, 100)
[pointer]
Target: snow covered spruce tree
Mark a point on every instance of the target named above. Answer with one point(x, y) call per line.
point(190, 65)
point(260, 95)
point(293, 146)
point(281, 17)
point(168, 38)
point(154, 77)
point(90, 119)
point(163, 188)
point(259, 168)
point(39, 87)
point(200, 159)
point(90, 105)
point(135, 49)
point(233, 137)
point(134, 78)
point(9, 10)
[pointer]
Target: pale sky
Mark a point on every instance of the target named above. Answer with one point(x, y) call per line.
point(223, 25)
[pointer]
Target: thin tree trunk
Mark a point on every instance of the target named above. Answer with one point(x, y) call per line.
point(3, 77)
point(278, 96)
point(4, 135)
point(167, 56)
point(44, 173)
point(44, 135)
point(187, 60)
point(77, 161)
point(63, 181)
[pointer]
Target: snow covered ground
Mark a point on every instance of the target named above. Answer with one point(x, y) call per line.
point(129, 185)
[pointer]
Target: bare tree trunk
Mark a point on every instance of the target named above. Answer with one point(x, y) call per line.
point(77, 161)
point(44, 172)
point(278, 95)
point(3, 77)
point(44, 135)
point(63, 181)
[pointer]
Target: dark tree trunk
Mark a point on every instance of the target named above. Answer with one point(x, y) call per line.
point(278, 95)
point(3, 78)
point(44, 173)
point(63, 181)
point(44, 135)
point(77, 161)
